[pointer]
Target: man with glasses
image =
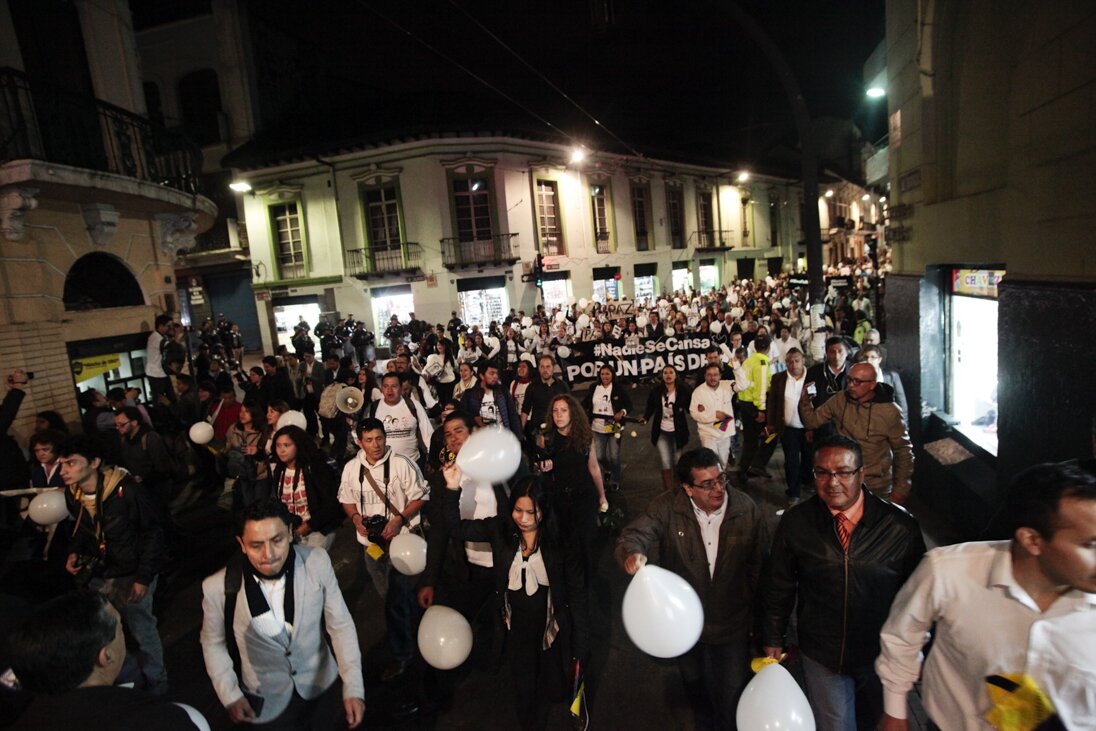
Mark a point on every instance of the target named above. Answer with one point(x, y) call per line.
point(866, 412)
point(143, 453)
point(714, 537)
point(839, 558)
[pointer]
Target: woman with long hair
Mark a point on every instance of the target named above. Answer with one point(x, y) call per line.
point(467, 379)
point(440, 369)
point(667, 410)
point(302, 480)
point(245, 458)
point(541, 578)
point(569, 461)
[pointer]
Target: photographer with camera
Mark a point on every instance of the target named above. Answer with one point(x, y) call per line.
point(382, 492)
point(117, 545)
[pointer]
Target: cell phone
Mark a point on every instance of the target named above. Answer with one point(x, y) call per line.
point(812, 389)
point(255, 701)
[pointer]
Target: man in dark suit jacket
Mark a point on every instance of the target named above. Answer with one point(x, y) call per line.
point(783, 420)
point(828, 378)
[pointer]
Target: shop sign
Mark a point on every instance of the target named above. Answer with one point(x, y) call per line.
point(197, 296)
point(551, 267)
point(976, 282)
point(263, 295)
point(84, 369)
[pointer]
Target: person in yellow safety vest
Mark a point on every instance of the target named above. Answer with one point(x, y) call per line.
point(757, 448)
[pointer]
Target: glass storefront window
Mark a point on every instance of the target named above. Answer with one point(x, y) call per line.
point(683, 280)
point(646, 289)
point(287, 317)
point(557, 292)
point(973, 369)
point(481, 306)
point(384, 306)
point(709, 277)
point(606, 289)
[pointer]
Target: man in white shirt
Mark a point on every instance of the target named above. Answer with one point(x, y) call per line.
point(158, 382)
point(783, 420)
point(406, 424)
point(379, 482)
point(1027, 605)
point(713, 413)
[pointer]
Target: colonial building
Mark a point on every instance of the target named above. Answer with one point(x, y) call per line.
point(95, 201)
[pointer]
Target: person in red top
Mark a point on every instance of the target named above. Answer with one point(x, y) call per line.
point(224, 414)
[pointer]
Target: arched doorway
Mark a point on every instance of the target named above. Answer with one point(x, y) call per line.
point(97, 281)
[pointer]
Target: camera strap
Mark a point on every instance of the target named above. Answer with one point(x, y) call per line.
point(364, 474)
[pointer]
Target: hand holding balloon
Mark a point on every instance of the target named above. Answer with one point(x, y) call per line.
point(634, 563)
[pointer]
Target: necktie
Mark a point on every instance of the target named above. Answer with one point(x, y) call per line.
point(843, 530)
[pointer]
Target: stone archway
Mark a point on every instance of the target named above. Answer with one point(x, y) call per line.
point(97, 281)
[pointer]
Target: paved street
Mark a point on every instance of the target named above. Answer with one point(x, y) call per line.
point(627, 688)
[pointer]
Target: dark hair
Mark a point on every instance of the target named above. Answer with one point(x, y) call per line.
point(57, 647)
point(257, 370)
point(391, 374)
point(839, 441)
point(791, 351)
point(86, 399)
point(370, 424)
point(460, 415)
point(56, 421)
point(270, 360)
point(207, 386)
point(258, 416)
point(708, 367)
point(1035, 495)
point(116, 394)
point(865, 350)
point(83, 445)
point(761, 343)
point(695, 459)
point(836, 340)
point(185, 380)
point(162, 320)
point(532, 487)
point(132, 413)
point(46, 436)
point(307, 451)
point(485, 364)
point(262, 509)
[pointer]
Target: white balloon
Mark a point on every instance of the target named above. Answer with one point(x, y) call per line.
point(408, 554)
point(733, 297)
point(48, 508)
point(641, 321)
point(787, 302)
point(561, 316)
point(669, 332)
point(445, 637)
point(662, 613)
point(677, 301)
point(736, 312)
point(196, 717)
point(492, 455)
point(529, 333)
point(773, 700)
point(582, 303)
point(528, 358)
point(716, 327)
point(563, 351)
point(583, 321)
point(201, 432)
point(526, 321)
point(493, 342)
point(292, 418)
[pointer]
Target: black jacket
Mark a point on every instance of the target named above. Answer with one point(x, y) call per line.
point(653, 414)
point(619, 398)
point(321, 486)
point(842, 599)
point(133, 537)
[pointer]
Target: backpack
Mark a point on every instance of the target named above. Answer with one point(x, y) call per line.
point(327, 408)
point(239, 465)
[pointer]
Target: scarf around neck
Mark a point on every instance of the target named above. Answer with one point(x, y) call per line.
point(261, 614)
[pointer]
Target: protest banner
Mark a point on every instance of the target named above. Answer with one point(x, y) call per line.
point(684, 352)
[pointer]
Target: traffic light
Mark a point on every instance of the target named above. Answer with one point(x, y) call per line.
point(538, 270)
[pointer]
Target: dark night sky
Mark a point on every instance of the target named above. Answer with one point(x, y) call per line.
point(664, 76)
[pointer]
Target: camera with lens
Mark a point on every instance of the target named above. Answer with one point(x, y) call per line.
point(374, 527)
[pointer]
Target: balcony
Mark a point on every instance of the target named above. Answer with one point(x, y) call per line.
point(711, 240)
point(497, 250)
point(601, 243)
point(380, 261)
point(40, 122)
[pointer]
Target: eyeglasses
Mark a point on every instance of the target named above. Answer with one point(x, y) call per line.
point(122, 424)
point(858, 381)
point(711, 484)
point(842, 475)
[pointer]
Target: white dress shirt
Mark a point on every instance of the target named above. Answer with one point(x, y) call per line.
point(713, 400)
point(709, 532)
point(986, 624)
point(793, 391)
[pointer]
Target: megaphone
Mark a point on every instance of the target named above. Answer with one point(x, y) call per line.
point(349, 400)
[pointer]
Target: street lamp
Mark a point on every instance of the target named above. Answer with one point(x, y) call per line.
point(743, 176)
point(578, 155)
point(876, 91)
point(240, 186)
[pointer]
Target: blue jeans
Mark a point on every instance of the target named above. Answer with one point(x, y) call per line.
point(667, 450)
point(798, 454)
point(607, 448)
point(714, 676)
point(401, 606)
point(141, 622)
point(843, 702)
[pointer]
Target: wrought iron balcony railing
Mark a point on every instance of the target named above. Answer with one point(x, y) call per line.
point(497, 249)
point(387, 260)
point(601, 243)
point(712, 239)
point(42, 122)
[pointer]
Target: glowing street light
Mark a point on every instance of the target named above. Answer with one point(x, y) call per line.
point(578, 155)
point(876, 91)
point(829, 194)
point(743, 177)
point(240, 186)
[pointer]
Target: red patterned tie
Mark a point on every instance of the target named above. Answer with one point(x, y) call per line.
point(843, 531)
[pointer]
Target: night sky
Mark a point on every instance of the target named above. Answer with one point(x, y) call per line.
point(663, 77)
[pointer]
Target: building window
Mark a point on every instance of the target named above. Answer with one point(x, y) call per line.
point(682, 278)
point(641, 216)
point(646, 289)
point(557, 293)
point(599, 201)
point(483, 300)
point(472, 204)
point(388, 301)
point(285, 221)
point(972, 357)
point(705, 221)
point(709, 275)
point(675, 212)
point(200, 106)
point(548, 221)
point(382, 216)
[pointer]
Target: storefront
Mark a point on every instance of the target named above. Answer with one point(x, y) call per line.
point(387, 301)
point(106, 363)
point(606, 284)
point(682, 276)
point(709, 275)
point(556, 287)
point(482, 300)
point(288, 312)
point(646, 283)
point(972, 354)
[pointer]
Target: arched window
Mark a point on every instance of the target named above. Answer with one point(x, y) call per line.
point(97, 281)
point(200, 106)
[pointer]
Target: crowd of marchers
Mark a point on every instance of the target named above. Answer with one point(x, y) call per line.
point(321, 434)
